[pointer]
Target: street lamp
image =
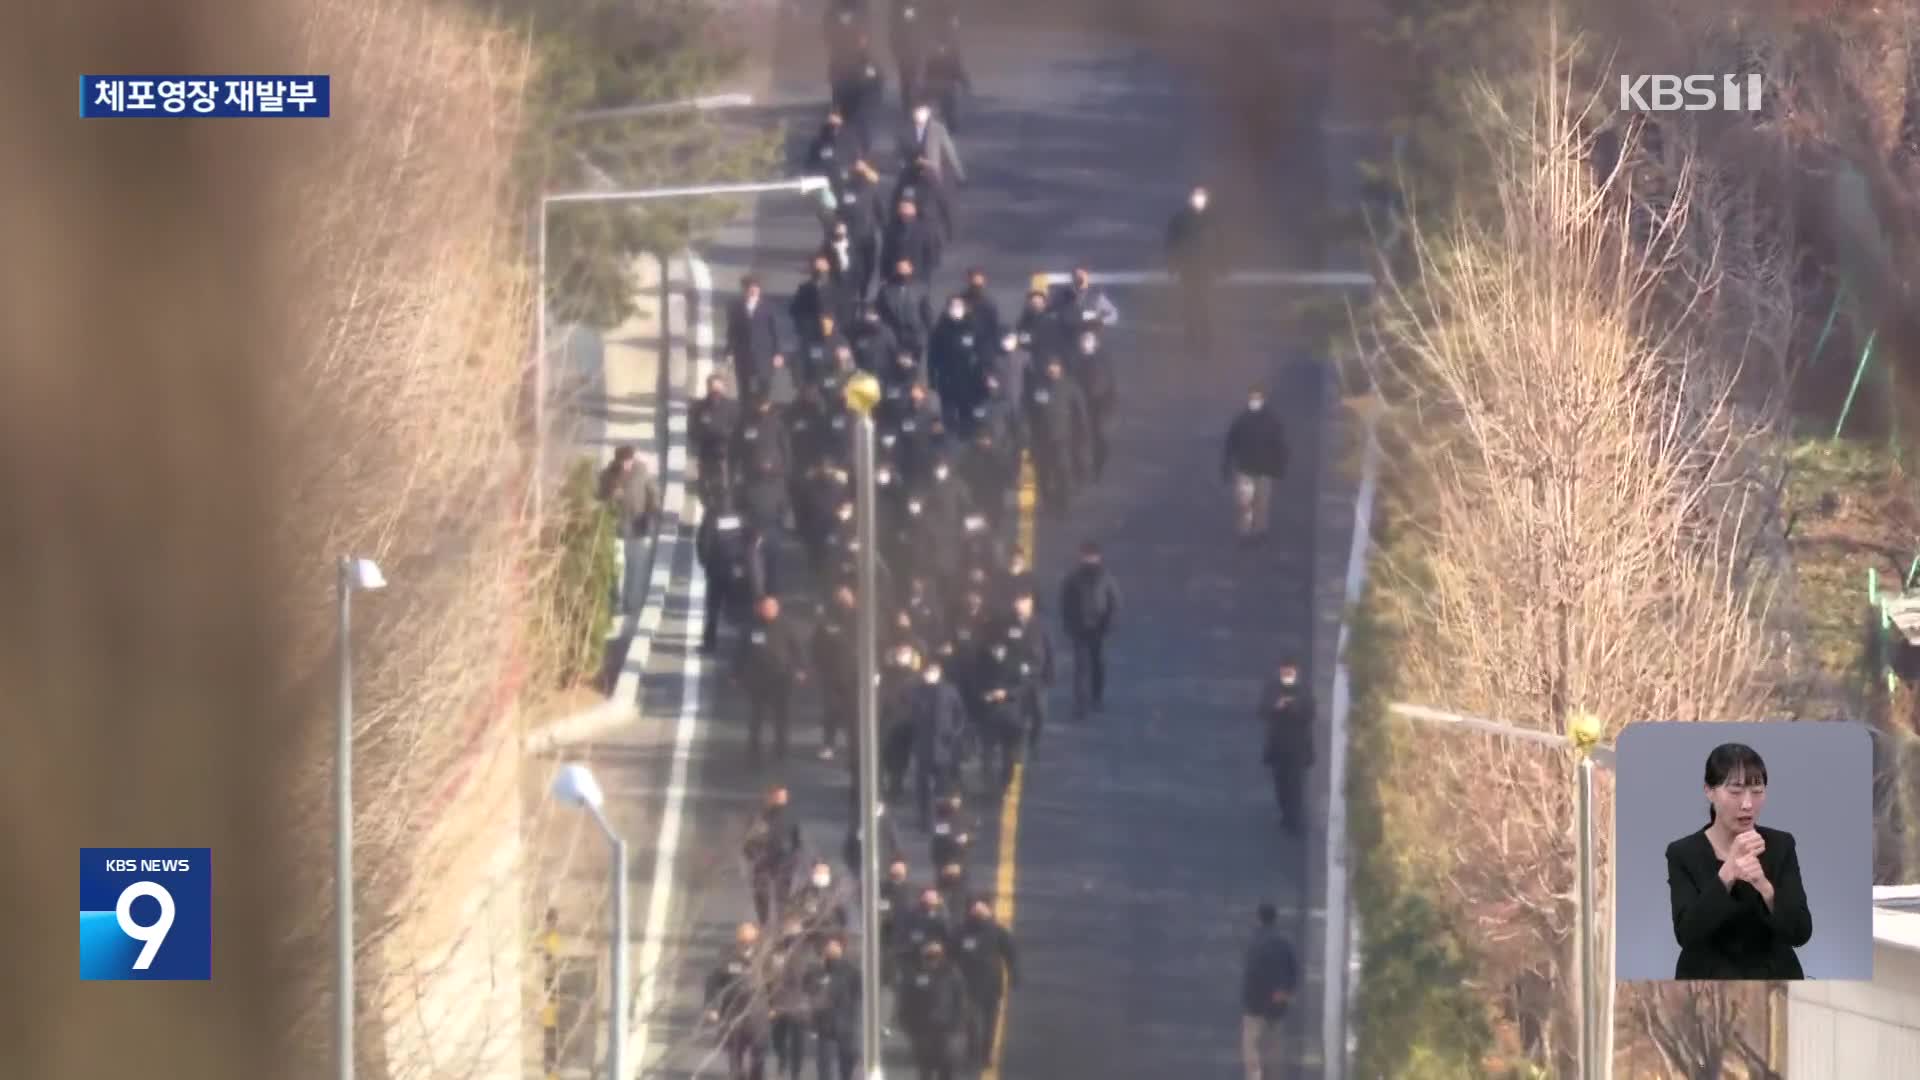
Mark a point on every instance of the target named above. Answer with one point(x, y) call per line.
point(364, 575)
point(574, 785)
point(803, 184)
point(1594, 1035)
point(862, 394)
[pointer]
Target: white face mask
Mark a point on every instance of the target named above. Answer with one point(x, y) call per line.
point(1087, 347)
point(822, 880)
point(931, 675)
point(956, 312)
point(940, 472)
point(1256, 403)
point(1009, 343)
point(1199, 202)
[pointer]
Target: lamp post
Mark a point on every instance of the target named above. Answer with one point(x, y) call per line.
point(862, 394)
point(1594, 1022)
point(541, 378)
point(354, 574)
point(574, 785)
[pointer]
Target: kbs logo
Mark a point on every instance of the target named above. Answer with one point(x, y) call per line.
point(146, 913)
point(1691, 93)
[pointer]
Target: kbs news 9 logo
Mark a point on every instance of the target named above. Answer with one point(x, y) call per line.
point(146, 913)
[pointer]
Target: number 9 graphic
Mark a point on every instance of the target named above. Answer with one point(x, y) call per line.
point(153, 933)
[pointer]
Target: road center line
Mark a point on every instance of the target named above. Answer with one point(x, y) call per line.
point(1007, 875)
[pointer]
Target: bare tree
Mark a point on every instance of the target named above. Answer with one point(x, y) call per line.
point(1594, 495)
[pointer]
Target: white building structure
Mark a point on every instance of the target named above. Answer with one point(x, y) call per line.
point(1864, 1030)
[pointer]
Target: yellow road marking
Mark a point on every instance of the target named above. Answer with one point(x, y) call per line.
point(1008, 870)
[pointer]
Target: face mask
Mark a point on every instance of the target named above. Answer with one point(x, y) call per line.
point(940, 473)
point(931, 675)
point(820, 881)
point(956, 313)
point(1086, 348)
point(1256, 404)
point(1289, 680)
point(1199, 203)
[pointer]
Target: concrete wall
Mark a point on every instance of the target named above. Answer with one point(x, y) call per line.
point(1855, 1030)
point(456, 959)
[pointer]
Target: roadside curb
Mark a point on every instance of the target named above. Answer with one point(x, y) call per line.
point(674, 399)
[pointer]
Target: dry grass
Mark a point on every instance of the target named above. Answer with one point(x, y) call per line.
point(1597, 528)
point(400, 415)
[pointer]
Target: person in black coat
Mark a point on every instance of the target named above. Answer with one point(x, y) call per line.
point(731, 562)
point(905, 309)
point(991, 965)
point(983, 310)
point(944, 75)
point(1093, 369)
point(821, 295)
point(1089, 604)
point(853, 75)
point(710, 427)
point(772, 664)
point(1286, 708)
point(850, 265)
point(939, 724)
point(833, 989)
point(763, 456)
point(911, 238)
point(753, 336)
point(833, 151)
point(919, 185)
point(1254, 456)
point(1059, 427)
point(1739, 905)
point(1194, 257)
point(953, 354)
point(1269, 976)
point(933, 1010)
point(737, 1006)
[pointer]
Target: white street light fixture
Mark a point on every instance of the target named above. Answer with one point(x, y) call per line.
point(706, 103)
point(1595, 1035)
point(575, 785)
point(355, 574)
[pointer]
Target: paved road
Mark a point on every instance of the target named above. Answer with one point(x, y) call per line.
point(1146, 836)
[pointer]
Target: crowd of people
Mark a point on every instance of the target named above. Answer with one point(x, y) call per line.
point(967, 395)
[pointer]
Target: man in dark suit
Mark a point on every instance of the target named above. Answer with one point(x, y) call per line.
point(833, 151)
point(822, 293)
point(927, 136)
point(1268, 979)
point(753, 336)
point(905, 309)
point(918, 184)
point(910, 238)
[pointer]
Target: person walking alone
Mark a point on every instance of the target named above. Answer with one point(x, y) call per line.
point(1089, 604)
point(1267, 984)
point(1254, 457)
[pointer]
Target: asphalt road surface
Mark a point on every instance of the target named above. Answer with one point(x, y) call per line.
point(1147, 835)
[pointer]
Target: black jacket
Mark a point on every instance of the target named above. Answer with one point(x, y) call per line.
point(752, 339)
point(939, 724)
point(933, 1002)
point(734, 990)
point(917, 241)
point(1256, 444)
point(761, 450)
point(833, 988)
point(771, 657)
point(712, 424)
point(1289, 714)
point(1193, 245)
point(906, 311)
point(1730, 933)
point(986, 956)
point(1089, 601)
point(813, 299)
point(1270, 968)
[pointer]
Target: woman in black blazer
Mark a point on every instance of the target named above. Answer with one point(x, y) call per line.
point(1739, 908)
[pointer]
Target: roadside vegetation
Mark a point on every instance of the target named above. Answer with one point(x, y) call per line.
point(1600, 356)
